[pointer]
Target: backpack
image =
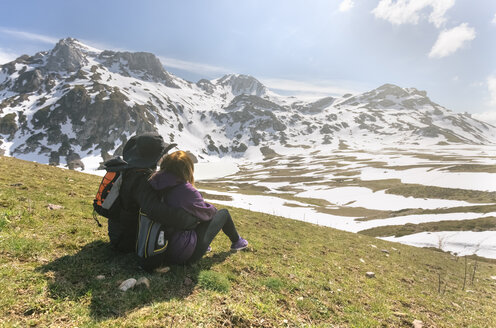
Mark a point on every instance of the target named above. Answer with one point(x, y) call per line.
point(107, 202)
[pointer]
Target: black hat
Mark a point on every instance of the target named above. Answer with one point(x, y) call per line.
point(144, 151)
point(140, 151)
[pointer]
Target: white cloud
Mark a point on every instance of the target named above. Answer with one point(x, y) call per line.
point(29, 36)
point(494, 19)
point(491, 86)
point(194, 67)
point(346, 5)
point(410, 11)
point(317, 89)
point(449, 41)
point(6, 56)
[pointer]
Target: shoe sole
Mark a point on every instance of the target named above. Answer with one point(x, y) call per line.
point(238, 249)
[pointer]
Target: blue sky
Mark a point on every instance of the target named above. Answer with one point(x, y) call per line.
point(446, 47)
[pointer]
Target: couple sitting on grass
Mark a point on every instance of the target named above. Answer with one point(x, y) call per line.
point(168, 196)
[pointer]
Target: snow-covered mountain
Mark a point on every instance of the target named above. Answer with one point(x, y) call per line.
point(75, 104)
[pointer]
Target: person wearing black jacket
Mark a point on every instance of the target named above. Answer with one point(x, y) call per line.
point(140, 156)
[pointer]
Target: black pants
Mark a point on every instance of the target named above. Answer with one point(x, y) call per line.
point(206, 232)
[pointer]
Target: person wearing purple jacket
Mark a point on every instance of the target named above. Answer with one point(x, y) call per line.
point(175, 182)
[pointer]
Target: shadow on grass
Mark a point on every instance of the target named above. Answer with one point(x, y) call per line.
point(74, 277)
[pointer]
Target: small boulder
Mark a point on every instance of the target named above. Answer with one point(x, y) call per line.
point(54, 207)
point(127, 284)
point(162, 270)
point(417, 324)
point(100, 277)
point(370, 274)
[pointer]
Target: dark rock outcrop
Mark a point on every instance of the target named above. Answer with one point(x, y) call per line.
point(8, 124)
point(66, 56)
point(206, 86)
point(144, 63)
point(28, 81)
point(243, 84)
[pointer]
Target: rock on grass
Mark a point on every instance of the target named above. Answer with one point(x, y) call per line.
point(127, 284)
point(370, 274)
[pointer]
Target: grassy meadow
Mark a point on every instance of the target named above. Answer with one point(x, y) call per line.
point(57, 270)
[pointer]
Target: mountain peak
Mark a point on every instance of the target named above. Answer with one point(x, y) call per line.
point(394, 90)
point(70, 55)
point(391, 89)
point(145, 64)
point(67, 55)
point(243, 84)
point(391, 96)
point(69, 41)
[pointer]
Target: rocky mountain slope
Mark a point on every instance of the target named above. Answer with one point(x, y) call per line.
point(76, 105)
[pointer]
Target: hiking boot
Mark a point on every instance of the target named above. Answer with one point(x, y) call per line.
point(239, 245)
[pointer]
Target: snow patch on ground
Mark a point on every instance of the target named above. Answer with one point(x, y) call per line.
point(462, 243)
point(91, 165)
point(281, 207)
point(379, 200)
point(428, 177)
point(421, 218)
point(215, 170)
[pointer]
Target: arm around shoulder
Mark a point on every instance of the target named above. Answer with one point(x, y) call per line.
point(158, 211)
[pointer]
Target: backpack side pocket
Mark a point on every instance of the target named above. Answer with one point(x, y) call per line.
point(152, 239)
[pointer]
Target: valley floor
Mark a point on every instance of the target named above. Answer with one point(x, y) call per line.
point(441, 197)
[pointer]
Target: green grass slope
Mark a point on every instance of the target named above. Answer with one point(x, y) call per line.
point(294, 274)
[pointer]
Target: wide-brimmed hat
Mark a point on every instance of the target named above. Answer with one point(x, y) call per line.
point(142, 151)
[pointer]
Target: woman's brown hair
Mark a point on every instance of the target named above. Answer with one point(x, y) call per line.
point(180, 164)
